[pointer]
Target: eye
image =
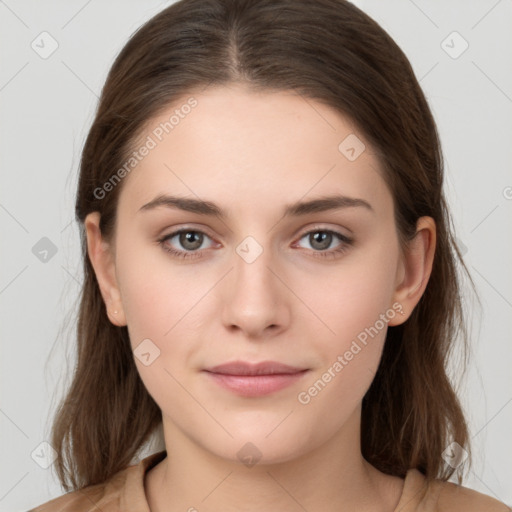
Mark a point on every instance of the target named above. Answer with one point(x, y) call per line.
point(320, 240)
point(189, 242)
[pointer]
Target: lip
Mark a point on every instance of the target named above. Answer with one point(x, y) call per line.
point(246, 368)
point(250, 380)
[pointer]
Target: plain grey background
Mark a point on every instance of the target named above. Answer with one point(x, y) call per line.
point(49, 85)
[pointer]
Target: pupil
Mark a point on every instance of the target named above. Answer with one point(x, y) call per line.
point(191, 240)
point(320, 240)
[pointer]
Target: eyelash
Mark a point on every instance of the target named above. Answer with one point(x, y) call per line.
point(333, 253)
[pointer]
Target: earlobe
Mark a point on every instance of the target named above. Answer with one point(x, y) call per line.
point(101, 257)
point(415, 269)
point(115, 309)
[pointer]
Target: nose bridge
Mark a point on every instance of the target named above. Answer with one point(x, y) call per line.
point(254, 298)
point(251, 274)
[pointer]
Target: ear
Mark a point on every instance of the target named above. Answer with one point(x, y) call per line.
point(414, 269)
point(103, 262)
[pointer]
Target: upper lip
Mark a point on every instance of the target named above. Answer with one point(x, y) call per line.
point(246, 368)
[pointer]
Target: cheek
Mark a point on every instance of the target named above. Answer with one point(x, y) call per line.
point(350, 297)
point(156, 293)
point(160, 302)
point(354, 303)
point(350, 350)
point(166, 306)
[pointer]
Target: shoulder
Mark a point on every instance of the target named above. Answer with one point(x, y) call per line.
point(83, 500)
point(107, 496)
point(454, 497)
point(122, 492)
point(94, 497)
point(104, 497)
point(441, 496)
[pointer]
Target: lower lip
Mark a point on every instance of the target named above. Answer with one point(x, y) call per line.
point(256, 385)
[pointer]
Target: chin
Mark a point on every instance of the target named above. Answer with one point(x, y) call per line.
point(254, 443)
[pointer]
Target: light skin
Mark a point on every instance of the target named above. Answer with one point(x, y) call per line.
point(254, 154)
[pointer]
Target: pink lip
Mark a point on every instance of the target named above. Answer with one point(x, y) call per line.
point(259, 379)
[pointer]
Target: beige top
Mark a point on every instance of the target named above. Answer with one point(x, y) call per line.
point(124, 492)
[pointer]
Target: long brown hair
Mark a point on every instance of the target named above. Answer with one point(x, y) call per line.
point(326, 50)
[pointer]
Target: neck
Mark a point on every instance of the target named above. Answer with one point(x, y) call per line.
point(333, 477)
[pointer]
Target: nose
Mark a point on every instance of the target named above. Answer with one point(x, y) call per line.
point(255, 301)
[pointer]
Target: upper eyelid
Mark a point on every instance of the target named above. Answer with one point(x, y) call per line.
point(314, 229)
point(186, 229)
point(206, 232)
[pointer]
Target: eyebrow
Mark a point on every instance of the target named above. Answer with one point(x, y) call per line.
point(298, 208)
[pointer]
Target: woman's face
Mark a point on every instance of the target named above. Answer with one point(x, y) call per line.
point(273, 275)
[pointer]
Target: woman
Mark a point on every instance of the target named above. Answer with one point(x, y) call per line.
point(270, 274)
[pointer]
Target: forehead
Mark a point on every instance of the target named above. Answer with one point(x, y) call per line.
point(242, 147)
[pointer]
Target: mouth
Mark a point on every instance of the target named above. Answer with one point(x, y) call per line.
point(251, 380)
